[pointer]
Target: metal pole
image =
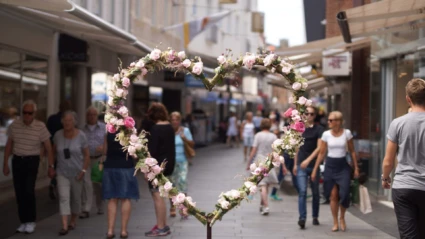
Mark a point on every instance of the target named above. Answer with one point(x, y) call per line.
point(209, 231)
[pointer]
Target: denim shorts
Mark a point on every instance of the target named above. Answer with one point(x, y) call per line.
point(119, 183)
point(248, 141)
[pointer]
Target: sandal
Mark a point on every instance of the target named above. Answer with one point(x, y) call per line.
point(110, 236)
point(63, 232)
point(123, 236)
point(71, 227)
point(343, 225)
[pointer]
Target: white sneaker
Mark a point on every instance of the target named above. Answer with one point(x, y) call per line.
point(21, 228)
point(30, 227)
point(265, 211)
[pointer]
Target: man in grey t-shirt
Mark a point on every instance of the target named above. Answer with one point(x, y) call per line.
point(406, 140)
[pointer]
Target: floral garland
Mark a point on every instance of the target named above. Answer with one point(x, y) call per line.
point(118, 120)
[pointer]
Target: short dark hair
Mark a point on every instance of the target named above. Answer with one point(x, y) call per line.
point(157, 112)
point(266, 123)
point(314, 109)
point(415, 89)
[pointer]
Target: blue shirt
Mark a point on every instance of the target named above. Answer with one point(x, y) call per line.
point(95, 137)
point(180, 156)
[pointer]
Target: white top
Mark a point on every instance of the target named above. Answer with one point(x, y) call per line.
point(263, 142)
point(337, 146)
point(248, 129)
point(232, 129)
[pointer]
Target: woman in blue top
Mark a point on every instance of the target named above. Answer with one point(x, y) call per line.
point(179, 176)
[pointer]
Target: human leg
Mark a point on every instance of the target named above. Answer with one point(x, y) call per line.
point(316, 197)
point(87, 194)
point(302, 196)
point(125, 215)
point(406, 213)
point(112, 214)
point(97, 189)
point(264, 200)
point(334, 206)
point(19, 175)
point(76, 189)
point(160, 210)
point(64, 191)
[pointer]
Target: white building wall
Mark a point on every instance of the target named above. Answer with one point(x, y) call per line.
point(234, 31)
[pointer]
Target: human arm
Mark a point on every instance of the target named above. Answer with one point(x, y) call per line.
point(251, 155)
point(353, 157)
point(241, 130)
point(321, 156)
point(388, 163)
point(7, 153)
point(50, 158)
point(294, 170)
point(86, 155)
point(187, 137)
point(312, 156)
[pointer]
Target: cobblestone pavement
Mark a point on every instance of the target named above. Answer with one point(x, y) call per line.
point(217, 168)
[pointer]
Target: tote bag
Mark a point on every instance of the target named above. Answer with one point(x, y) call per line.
point(96, 174)
point(365, 205)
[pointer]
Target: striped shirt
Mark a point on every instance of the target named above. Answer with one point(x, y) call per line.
point(27, 139)
point(95, 137)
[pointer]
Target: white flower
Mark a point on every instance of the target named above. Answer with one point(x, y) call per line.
point(302, 100)
point(134, 139)
point(197, 68)
point(181, 55)
point(131, 150)
point(296, 118)
point(257, 171)
point(120, 122)
point(286, 67)
point(123, 111)
point(179, 199)
point(293, 142)
point(190, 201)
point(111, 101)
point(221, 59)
point(253, 166)
point(140, 64)
point(155, 182)
point(269, 59)
point(296, 86)
point(295, 113)
point(144, 168)
point(308, 103)
point(144, 71)
point(248, 184)
point(138, 146)
point(151, 162)
point(304, 85)
point(253, 189)
point(132, 64)
point(291, 99)
point(223, 203)
point(155, 54)
point(119, 92)
point(281, 159)
point(150, 176)
point(249, 61)
point(162, 192)
point(168, 186)
point(186, 63)
point(233, 194)
point(276, 144)
point(116, 77)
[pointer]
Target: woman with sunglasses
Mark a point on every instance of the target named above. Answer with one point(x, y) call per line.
point(337, 175)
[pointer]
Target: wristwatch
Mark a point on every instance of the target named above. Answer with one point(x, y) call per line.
point(83, 170)
point(387, 180)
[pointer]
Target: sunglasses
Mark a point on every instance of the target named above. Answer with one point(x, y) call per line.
point(332, 120)
point(307, 114)
point(27, 112)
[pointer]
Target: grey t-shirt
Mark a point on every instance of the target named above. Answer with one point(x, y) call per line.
point(72, 166)
point(408, 132)
point(263, 142)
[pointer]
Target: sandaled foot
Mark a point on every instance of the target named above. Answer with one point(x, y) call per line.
point(124, 235)
point(63, 232)
point(110, 236)
point(71, 227)
point(335, 228)
point(343, 225)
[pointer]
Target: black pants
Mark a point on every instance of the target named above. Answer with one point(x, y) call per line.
point(25, 171)
point(409, 207)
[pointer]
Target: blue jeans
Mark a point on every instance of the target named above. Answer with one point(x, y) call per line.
point(302, 177)
point(289, 163)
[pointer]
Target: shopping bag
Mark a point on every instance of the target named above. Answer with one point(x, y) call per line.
point(96, 174)
point(365, 205)
point(188, 150)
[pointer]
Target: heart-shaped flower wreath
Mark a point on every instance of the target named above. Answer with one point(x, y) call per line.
point(118, 119)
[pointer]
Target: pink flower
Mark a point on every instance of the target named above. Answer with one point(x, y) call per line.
point(249, 61)
point(151, 162)
point(223, 203)
point(140, 64)
point(296, 86)
point(132, 64)
point(197, 68)
point(302, 100)
point(296, 118)
point(150, 176)
point(181, 55)
point(221, 59)
point(155, 54)
point(120, 122)
point(138, 146)
point(299, 126)
point(123, 111)
point(111, 129)
point(134, 139)
point(179, 199)
point(275, 156)
point(168, 186)
point(253, 166)
point(190, 201)
point(155, 182)
point(257, 171)
point(304, 85)
point(125, 82)
point(276, 144)
point(131, 150)
point(269, 59)
point(253, 190)
point(129, 122)
point(308, 103)
point(291, 100)
point(116, 77)
point(119, 92)
point(144, 71)
point(171, 55)
point(144, 168)
point(286, 67)
point(186, 63)
point(295, 112)
point(288, 113)
point(156, 169)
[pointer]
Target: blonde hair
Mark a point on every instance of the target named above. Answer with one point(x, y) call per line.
point(415, 90)
point(337, 114)
point(176, 114)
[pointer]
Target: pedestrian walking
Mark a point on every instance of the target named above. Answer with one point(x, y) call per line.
point(261, 148)
point(232, 130)
point(337, 175)
point(118, 184)
point(304, 162)
point(95, 133)
point(54, 124)
point(25, 136)
point(72, 154)
point(405, 142)
point(257, 120)
point(247, 134)
point(179, 176)
point(161, 147)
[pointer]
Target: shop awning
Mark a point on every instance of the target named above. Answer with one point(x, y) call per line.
point(381, 17)
point(68, 17)
point(313, 52)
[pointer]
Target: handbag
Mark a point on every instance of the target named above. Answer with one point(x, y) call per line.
point(96, 173)
point(189, 151)
point(365, 205)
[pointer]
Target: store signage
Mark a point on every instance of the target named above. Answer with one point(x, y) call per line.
point(336, 65)
point(72, 49)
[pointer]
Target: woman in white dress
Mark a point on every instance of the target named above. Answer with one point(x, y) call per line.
point(247, 133)
point(232, 130)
